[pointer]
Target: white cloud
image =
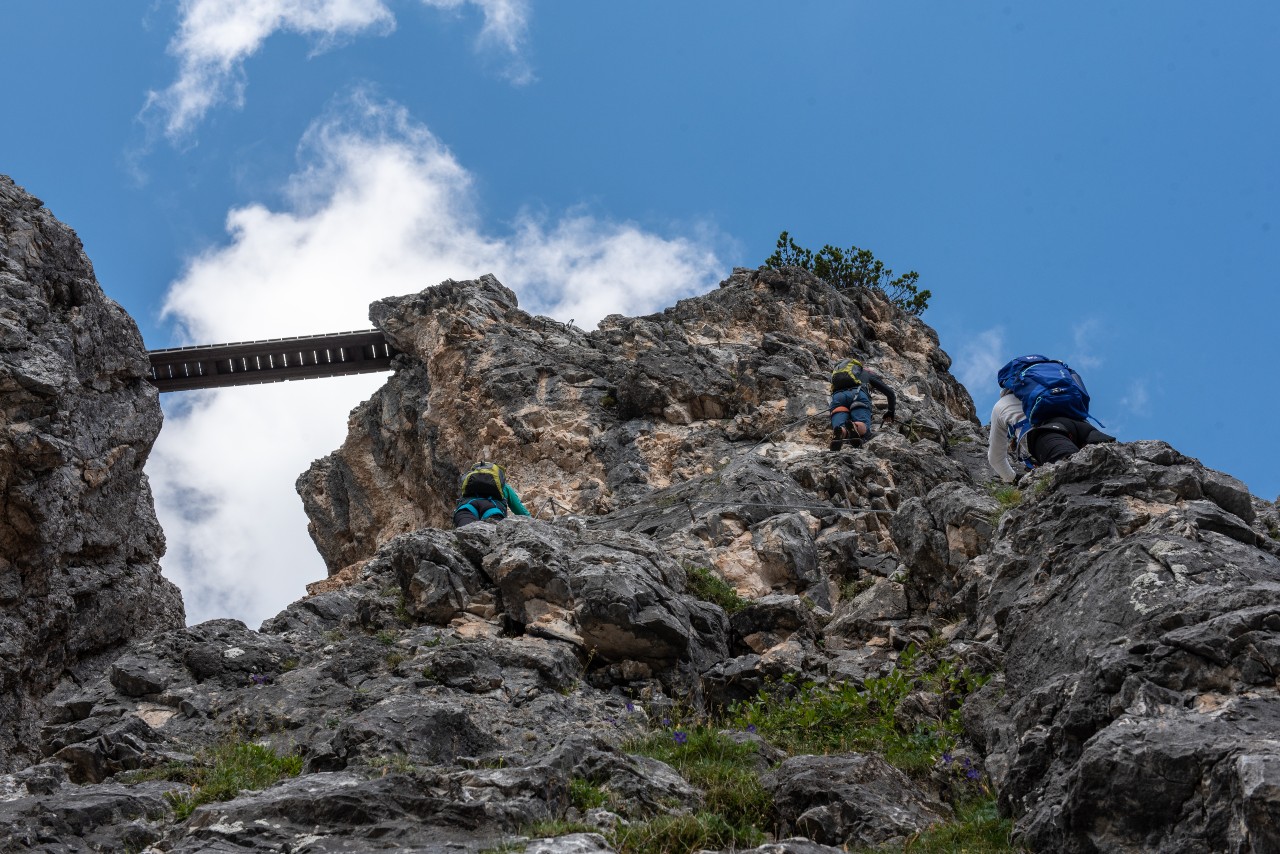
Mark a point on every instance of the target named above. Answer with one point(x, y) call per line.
point(976, 363)
point(223, 471)
point(216, 37)
point(505, 25)
point(381, 208)
point(1084, 350)
point(1137, 399)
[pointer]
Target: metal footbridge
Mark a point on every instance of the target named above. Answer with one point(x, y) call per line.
point(273, 360)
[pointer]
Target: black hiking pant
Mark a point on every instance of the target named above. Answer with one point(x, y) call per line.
point(478, 510)
point(1059, 438)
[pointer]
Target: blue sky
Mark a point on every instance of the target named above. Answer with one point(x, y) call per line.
point(1095, 181)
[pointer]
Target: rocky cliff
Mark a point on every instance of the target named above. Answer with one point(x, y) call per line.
point(714, 633)
point(79, 540)
point(659, 409)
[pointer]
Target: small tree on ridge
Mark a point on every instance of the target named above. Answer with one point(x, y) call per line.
point(853, 268)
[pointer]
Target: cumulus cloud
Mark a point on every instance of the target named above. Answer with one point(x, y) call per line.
point(1084, 351)
point(1137, 399)
point(380, 207)
point(976, 363)
point(505, 25)
point(216, 37)
point(223, 471)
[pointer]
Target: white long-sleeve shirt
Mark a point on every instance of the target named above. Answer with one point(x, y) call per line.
point(1006, 413)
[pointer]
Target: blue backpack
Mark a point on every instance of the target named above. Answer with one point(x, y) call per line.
point(1047, 389)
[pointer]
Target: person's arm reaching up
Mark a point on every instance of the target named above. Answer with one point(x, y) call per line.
point(998, 441)
point(878, 384)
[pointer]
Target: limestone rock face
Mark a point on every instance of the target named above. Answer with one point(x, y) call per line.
point(614, 596)
point(852, 800)
point(1138, 610)
point(79, 540)
point(1125, 608)
point(598, 422)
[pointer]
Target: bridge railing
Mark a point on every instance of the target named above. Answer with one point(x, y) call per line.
point(272, 360)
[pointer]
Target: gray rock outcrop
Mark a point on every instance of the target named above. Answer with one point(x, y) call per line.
point(851, 800)
point(1138, 608)
point(79, 540)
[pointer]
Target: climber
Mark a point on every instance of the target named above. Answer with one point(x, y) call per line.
point(486, 496)
point(1057, 428)
point(851, 383)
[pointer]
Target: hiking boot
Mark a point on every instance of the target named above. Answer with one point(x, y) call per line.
point(838, 435)
point(855, 443)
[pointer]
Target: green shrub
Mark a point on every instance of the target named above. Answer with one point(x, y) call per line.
point(852, 268)
point(706, 585)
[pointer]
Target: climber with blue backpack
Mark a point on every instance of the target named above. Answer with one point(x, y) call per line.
point(851, 386)
point(486, 496)
point(1042, 415)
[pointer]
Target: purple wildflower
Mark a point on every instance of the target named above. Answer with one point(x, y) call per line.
point(946, 759)
point(751, 727)
point(631, 707)
point(972, 774)
point(680, 737)
point(666, 721)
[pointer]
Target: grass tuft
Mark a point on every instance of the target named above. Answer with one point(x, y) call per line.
point(679, 833)
point(977, 829)
point(1006, 496)
point(706, 585)
point(222, 772)
point(724, 770)
point(851, 588)
point(586, 796)
point(845, 717)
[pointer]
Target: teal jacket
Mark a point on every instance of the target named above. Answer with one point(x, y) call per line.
point(513, 500)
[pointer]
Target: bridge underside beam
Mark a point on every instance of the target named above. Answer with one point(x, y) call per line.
point(274, 360)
